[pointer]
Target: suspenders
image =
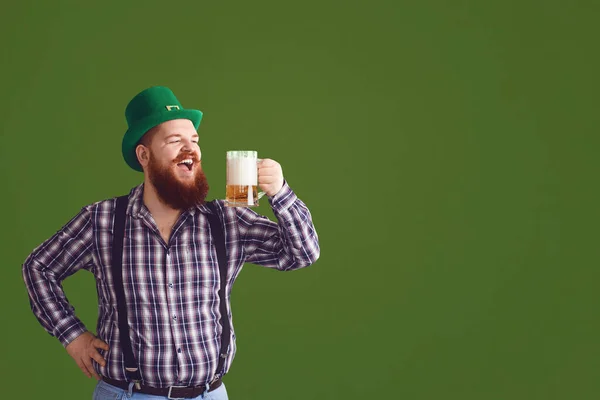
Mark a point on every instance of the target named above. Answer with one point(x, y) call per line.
point(216, 227)
point(218, 236)
point(131, 368)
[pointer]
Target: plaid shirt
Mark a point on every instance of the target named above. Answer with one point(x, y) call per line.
point(170, 289)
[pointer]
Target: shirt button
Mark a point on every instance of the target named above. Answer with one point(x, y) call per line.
point(170, 285)
point(179, 350)
point(175, 317)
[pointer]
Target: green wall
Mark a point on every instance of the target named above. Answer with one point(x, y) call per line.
point(447, 151)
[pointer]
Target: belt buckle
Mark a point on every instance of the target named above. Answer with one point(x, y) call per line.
point(175, 398)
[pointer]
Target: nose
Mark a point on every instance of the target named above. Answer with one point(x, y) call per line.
point(189, 147)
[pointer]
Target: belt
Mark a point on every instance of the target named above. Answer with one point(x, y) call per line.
point(172, 392)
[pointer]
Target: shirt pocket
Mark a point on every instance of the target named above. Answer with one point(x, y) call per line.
point(198, 261)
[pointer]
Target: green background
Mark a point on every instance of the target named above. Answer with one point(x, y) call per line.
point(446, 149)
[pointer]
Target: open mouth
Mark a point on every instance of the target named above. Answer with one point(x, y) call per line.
point(186, 165)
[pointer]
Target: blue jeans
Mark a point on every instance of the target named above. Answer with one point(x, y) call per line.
point(104, 391)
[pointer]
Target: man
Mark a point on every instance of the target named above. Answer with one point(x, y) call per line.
point(170, 263)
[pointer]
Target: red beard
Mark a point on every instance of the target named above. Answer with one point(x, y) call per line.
point(173, 192)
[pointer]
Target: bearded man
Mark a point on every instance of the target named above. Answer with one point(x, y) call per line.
point(165, 262)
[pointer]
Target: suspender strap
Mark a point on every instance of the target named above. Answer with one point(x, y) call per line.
point(218, 236)
point(131, 367)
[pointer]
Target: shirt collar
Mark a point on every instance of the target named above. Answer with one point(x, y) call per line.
point(137, 209)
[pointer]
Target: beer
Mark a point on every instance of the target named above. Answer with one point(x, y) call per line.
point(242, 179)
point(242, 195)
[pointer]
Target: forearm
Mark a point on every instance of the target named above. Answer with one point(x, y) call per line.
point(49, 303)
point(290, 244)
point(66, 252)
point(297, 233)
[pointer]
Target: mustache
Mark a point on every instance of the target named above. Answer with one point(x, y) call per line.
point(185, 156)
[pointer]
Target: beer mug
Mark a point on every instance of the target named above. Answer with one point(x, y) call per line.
point(242, 179)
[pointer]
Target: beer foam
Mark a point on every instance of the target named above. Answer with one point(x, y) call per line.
point(242, 171)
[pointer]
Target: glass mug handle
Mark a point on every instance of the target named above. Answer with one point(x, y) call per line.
point(260, 194)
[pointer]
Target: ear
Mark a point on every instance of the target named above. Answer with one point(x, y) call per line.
point(143, 154)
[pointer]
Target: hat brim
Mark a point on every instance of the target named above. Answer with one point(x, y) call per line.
point(135, 133)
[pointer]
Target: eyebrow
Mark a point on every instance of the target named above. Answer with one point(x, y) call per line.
point(194, 136)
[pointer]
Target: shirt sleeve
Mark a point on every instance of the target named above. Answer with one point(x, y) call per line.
point(289, 244)
point(66, 252)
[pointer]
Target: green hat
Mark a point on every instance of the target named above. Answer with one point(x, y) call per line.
point(147, 109)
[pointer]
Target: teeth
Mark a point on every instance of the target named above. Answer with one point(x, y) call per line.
point(188, 161)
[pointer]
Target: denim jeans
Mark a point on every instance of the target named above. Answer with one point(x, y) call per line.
point(104, 391)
